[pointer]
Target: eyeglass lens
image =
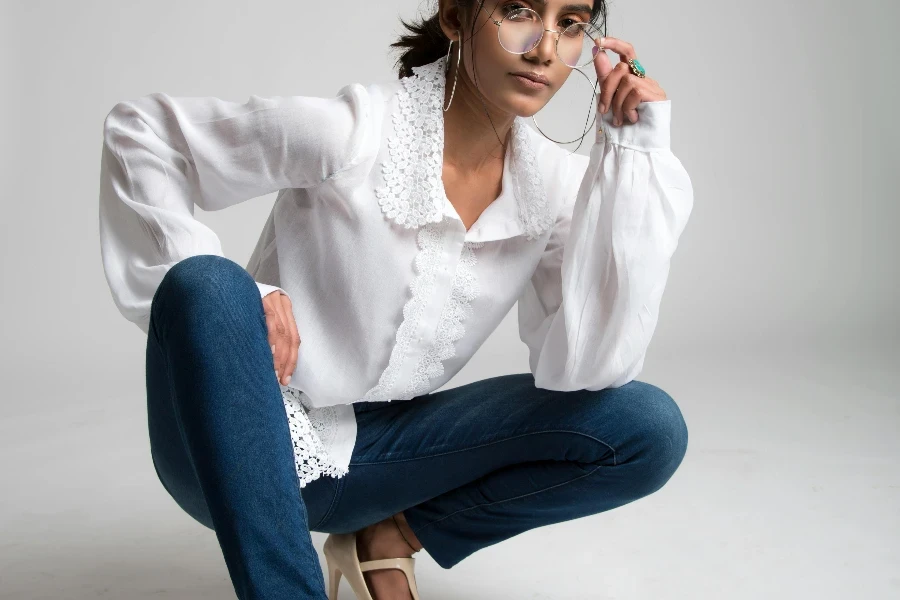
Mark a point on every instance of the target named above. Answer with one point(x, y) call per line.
point(521, 30)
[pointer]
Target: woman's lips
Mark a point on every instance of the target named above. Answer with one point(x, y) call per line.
point(529, 83)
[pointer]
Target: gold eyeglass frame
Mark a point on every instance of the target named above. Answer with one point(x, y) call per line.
point(543, 31)
point(556, 50)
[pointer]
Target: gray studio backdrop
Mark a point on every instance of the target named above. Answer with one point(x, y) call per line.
point(783, 114)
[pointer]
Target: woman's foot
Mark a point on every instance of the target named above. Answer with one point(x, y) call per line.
point(384, 540)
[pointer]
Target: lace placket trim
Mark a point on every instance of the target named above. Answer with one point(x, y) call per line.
point(412, 196)
point(312, 432)
point(430, 241)
point(464, 289)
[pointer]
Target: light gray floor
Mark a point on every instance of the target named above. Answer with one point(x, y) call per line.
point(790, 489)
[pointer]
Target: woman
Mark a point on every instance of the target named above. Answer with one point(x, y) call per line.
point(411, 216)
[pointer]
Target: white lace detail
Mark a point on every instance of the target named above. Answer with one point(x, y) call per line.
point(413, 196)
point(429, 240)
point(534, 213)
point(312, 433)
point(413, 193)
point(450, 329)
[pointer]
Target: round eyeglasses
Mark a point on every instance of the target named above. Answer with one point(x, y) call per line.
point(522, 29)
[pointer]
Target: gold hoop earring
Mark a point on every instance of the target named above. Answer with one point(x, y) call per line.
point(588, 128)
point(456, 77)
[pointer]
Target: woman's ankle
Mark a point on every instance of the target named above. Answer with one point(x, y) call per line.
point(382, 540)
point(407, 532)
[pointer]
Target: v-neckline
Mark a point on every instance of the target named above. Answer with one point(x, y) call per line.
point(506, 189)
point(503, 207)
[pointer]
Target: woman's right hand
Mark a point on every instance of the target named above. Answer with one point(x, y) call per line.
point(283, 336)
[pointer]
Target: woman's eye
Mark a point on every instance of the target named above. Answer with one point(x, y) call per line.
point(511, 7)
point(514, 6)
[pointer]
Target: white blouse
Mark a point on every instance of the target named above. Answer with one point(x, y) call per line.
point(391, 294)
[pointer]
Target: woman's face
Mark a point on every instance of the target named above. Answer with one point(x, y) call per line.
point(496, 68)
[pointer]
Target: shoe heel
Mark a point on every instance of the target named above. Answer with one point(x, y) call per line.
point(334, 580)
point(341, 559)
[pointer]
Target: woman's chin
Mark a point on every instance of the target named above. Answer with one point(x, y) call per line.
point(513, 101)
point(524, 106)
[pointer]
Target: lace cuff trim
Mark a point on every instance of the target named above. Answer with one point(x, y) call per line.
point(312, 433)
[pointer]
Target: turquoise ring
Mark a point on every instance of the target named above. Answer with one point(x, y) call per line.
point(636, 67)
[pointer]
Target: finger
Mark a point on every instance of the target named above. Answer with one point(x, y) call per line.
point(271, 322)
point(287, 343)
point(649, 91)
point(609, 86)
point(276, 327)
point(282, 346)
point(629, 106)
point(602, 64)
point(294, 341)
point(625, 51)
point(620, 47)
point(627, 85)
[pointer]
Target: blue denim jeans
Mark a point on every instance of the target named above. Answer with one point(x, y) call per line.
point(469, 466)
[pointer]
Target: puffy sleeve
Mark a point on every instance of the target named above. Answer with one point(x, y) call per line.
point(162, 155)
point(593, 302)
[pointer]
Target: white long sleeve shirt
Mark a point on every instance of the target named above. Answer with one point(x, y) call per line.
point(391, 294)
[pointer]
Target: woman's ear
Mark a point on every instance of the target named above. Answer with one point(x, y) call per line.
point(450, 18)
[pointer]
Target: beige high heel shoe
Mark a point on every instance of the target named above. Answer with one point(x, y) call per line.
point(342, 559)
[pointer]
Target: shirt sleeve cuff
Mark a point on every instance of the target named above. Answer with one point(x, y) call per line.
point(650, 132)
point(266, 289)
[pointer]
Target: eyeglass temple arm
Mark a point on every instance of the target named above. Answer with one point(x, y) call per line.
point(497, 23)
point(490, 15)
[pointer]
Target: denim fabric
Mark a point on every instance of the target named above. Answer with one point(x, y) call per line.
point(469, 466)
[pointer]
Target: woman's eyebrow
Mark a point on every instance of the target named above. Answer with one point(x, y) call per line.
point(569, 7)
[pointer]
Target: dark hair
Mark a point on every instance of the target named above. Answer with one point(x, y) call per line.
point(425, 41)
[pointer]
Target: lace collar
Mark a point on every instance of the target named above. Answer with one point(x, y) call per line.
point(413, 194)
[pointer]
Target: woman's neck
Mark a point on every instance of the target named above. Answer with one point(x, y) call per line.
point(470, 141)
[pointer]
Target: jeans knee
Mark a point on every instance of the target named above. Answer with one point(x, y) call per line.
point(663, 434)
point(185, 491)
point(207, 272)
point(205, 291)
point(204, 277)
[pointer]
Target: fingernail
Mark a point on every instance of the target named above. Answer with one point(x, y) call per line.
point(603, 108)
point(632, 118)
point(602, 41)
point(277, 374)
point(288, 380)
point(595, 50)
point(273, 348)
point(616, 121)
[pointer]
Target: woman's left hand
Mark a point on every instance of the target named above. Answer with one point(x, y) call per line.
point(620, 89)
